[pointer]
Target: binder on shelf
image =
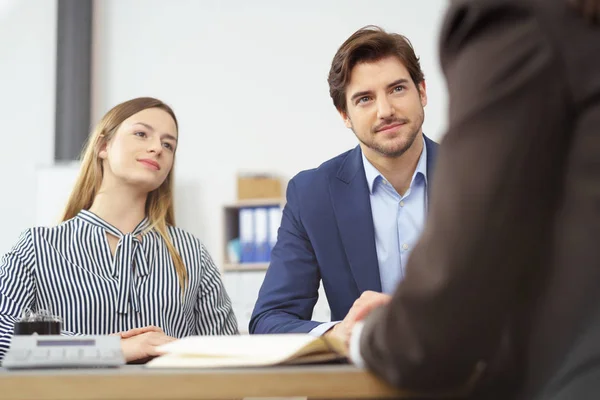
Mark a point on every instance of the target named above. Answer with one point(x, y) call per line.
point(261, 239)
point(247, 232)
point(275, 214)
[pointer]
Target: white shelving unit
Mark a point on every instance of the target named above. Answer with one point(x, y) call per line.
point(243, 281)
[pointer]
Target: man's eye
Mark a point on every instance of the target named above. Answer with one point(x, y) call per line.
point(363, 99)
point(399, 88)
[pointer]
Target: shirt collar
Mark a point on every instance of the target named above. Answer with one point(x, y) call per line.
point(374, 176)
point(93, 219)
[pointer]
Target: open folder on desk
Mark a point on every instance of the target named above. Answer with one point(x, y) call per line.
point(247, 351)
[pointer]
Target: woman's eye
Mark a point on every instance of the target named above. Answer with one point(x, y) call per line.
point(168, 146)
point(140, 134)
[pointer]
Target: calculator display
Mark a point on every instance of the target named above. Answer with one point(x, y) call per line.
point(68, 342)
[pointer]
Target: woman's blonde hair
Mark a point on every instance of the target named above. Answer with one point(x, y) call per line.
point(159, 204)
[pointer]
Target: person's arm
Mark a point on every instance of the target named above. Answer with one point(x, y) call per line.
point(289, 291)
point(323, 328)
point(498, 176)
point(215, 313)
point(17, 287)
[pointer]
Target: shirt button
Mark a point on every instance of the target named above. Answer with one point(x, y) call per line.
point(404, 246)
point(385, 182)
point(401, 204)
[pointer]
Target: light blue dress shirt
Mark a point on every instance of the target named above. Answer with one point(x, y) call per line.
point(398, 222)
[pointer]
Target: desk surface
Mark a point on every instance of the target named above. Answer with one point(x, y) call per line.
point(137, 382)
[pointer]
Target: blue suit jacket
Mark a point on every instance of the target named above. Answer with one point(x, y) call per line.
point(326, 234)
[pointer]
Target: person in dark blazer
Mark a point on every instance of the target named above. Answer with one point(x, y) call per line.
point(504, 285)
point(352, 222)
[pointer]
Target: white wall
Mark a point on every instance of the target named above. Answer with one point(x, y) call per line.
point(247, 80)
point(27, 80)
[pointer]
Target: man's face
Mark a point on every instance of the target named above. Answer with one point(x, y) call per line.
point(384, 106)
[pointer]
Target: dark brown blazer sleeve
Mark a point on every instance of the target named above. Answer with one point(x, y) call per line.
point(499, 168)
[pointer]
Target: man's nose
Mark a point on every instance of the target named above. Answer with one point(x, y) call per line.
point(385, 109)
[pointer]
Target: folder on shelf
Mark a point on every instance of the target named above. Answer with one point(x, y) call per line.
point(247, 241)
point(275, 214)
point(261, 227)
point(247, 351)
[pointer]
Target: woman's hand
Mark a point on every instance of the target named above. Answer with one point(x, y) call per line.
point(138, 331)
point(143, 346)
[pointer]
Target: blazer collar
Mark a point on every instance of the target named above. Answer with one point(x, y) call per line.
point(352, 207)
point(351, 201)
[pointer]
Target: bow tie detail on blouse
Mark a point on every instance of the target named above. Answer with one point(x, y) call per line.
point(128, 259)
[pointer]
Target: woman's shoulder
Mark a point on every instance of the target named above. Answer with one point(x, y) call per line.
point(182, 237)
point(191, 248)
point(54, 230)
point(28, 238)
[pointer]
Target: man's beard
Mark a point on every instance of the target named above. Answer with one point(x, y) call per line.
point(404, 145)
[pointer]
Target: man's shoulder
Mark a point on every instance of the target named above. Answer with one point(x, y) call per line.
point(322, 173)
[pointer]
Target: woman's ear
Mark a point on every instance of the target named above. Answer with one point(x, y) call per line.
point(102, 145)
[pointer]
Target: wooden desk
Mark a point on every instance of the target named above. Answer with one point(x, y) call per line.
point(136, 382)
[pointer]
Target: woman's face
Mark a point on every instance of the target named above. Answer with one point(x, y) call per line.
point(142, 151)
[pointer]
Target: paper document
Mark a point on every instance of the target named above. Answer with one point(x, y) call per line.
point(247, 351)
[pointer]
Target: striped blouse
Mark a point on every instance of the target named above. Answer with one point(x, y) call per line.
point(69, 270)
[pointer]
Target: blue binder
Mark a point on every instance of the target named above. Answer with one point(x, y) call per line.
point(247, 244)
point(261, 238)
point(275, 214)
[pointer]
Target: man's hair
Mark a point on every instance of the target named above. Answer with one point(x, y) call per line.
point(369, 44)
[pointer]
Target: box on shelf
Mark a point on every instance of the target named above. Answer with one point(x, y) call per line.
point(258, 187)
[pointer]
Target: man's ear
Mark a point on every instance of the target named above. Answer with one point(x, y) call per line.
point(346, 119)
point(423, 92)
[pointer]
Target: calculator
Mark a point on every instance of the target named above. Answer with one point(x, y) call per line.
point(57, 351)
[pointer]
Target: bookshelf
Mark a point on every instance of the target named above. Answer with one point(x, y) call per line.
point(231, 223)
point(230, 267)
point(255, 202)
point(243, 281)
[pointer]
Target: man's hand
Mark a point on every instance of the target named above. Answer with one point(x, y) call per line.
point(366, 303)
point(143, 346)
point(138, 331)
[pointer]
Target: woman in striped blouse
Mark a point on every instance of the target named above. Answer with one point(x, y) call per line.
point(117, 264)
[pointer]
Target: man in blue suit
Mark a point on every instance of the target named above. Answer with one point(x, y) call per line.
point(351, 223)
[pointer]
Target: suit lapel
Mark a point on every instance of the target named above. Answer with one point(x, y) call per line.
point(432, 148)
point(352, 207)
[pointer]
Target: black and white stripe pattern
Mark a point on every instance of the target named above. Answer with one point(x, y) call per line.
point(69, 270)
